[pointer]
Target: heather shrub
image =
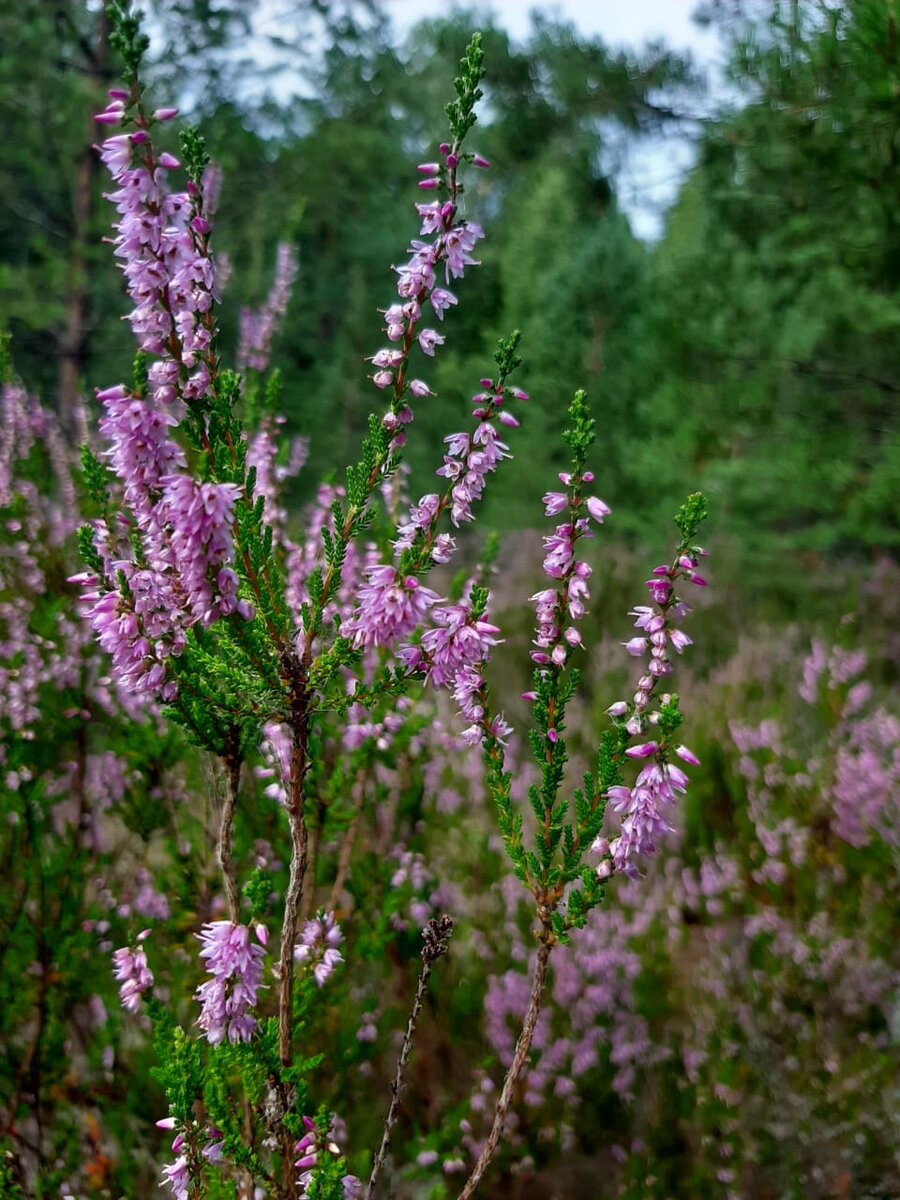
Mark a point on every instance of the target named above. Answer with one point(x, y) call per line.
point(308, 824)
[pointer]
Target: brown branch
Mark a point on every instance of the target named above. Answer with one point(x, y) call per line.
point(226, 827)
point(436, 936)
point(299, 855)
point(523, 1047)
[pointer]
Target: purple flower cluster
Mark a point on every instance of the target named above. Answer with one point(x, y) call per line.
point(236, 966)
point(161, 238)
point(657, 785)
point(318, 946)
point(132, 970)
point(558, 608)
point(258, 326)
point(143, 603)
point(141, 613)
point(450, 246)
point(660, 781)
point(310, 1147)
point(390, 607)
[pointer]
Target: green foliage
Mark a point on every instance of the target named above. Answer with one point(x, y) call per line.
point(126, 37)
point(461, 111)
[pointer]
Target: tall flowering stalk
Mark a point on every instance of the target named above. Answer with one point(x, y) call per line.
point(567, 826)
point(207, 606)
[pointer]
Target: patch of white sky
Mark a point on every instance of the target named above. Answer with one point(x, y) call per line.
point(648, 169)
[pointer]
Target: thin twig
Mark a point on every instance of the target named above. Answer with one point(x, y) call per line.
point(523, 1047)
point(436, 935)
point(226, 826)
point(299, 853)
point(346, 851)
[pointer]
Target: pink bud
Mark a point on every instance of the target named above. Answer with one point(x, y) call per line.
point(165, 114)
point(168, 161)
point(687, 756)
point(479, 161)
point(262, 934)
point(619, 709)
point(166, 1123)
point(643, 750)
point(452, 161)
point(431, 168)
point(518, 394)
point(600, 846)
point(698, 580)
point(444, 148)
point(429, 185)
point(506, 418)
point(109, 117)
point(598, 509)
point(117, 94)
point(636, 646)
point(139, 137)
point(529, 696)
point(200, 225)
point(605, 869)
point(419, 389)
point(552, 736)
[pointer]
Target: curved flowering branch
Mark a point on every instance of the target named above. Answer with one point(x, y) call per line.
point(659, 781)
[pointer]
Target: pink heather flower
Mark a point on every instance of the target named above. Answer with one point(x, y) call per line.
point(259, 326)
point(176, 1175)
point(457, 641)
point(318, 946)
point(441, 300)
point(656, 784)
point(428, 339)
point(636, 646)
point(554, 503)
point(133, 972)
point(597, 508)
point(467, 464)
point(168, 271)
point(200, 516)
point(642, 751)
point(687, 756)
point(236, 968)
point(389, 608)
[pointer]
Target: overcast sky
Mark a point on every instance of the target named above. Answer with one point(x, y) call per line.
point(648, 178)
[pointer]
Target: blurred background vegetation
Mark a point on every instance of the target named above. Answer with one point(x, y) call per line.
point(751, 351)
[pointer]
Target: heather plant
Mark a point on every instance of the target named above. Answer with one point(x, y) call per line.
point(314, 649)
